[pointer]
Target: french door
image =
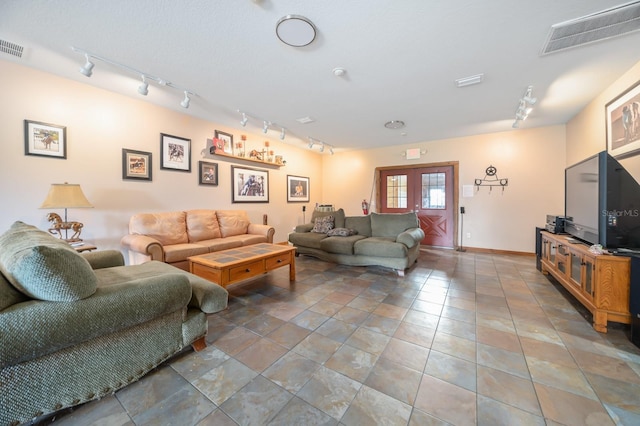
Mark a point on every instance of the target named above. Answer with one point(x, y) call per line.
point(428, 190)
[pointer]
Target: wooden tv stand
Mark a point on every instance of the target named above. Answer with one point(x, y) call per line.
point(600, 282)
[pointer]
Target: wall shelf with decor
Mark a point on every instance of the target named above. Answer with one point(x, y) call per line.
point(247, 159)
point(224, 147)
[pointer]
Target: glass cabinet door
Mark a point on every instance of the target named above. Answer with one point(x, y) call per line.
point(588, 277)
point(561, 258)
point(552, 252)
point(575, 271)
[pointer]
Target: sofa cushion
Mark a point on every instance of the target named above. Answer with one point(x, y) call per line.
point(168, 228)
point(361, 224)
point(337, 214)
point(392, 224)
point(233, 222)
point(44, 267)
point(207, 296)
point(380, 247)
point(178, 252)
point(202, 225)
point(8, 294)
point(218, 244)
point(306, 239)
point(341, 245)
point(324, 224)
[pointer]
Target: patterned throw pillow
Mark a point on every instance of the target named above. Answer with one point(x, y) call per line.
point(323, 224)
point(341, 232)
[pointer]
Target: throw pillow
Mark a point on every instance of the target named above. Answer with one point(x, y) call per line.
point(323, 224)
point(341, 232)
point(44, 267)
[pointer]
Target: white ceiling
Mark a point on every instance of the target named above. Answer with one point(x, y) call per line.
point(401, 57)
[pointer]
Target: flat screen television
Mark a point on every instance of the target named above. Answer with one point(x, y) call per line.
point(602, 203)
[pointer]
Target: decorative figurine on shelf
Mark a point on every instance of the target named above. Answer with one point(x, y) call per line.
point(241, 145)
point(254, 154)
point(279, 160)
point(270, 157)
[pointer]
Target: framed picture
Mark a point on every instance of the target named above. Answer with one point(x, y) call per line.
point(249, 185)
point(623, 123)
point(175, 153)
point(208, 173)
point(226, 141)
point(44, 139)
point(297, 189)
point(136, 165)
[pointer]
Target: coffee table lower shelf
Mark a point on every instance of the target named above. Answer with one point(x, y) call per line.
point(230, 266)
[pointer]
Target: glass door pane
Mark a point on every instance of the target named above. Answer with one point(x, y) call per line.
point(433, 191)
point(397, 191)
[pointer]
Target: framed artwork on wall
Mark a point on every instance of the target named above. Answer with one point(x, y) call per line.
point(249, 185)
point(44, 139)
point(136, 165)
point(175, 153)
point(297, 189)
point(226, 141)
point(208, 173)
point(622, 116)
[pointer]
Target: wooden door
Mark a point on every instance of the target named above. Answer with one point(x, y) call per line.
point(428, 191)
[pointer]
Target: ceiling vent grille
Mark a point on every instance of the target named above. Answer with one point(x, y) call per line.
point(11, 48)
point(595, 27)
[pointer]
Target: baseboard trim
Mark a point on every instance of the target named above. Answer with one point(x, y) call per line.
point(496, 251)
point(482, 250)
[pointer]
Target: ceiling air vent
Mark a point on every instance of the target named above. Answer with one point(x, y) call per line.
point(595, 27)
point(11, 48)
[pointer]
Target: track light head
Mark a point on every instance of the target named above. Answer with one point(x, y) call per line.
point(244, 120)
point(310, 143)
point(87, 68)
point(265, 127)
point(331, 151)
point(143, 89)
point(186, 100)
point(530, 100)
point(282, 134)
point(322, 148)
point(521, 116)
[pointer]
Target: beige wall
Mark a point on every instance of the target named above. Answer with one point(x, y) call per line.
point(586, 133)
point(532, 159)
point(99, 125)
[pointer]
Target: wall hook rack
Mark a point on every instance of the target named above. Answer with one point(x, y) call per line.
point(491, 179)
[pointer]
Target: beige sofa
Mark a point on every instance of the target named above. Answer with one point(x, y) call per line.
point(174, 236)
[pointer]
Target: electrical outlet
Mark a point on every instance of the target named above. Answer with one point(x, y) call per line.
point(468, 235)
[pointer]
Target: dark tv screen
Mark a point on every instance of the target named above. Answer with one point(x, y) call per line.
point(581, 200)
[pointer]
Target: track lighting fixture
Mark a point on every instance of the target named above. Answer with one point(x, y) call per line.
point(525, 106)
point(87, 68)
point(284, 132)
point(143, 89)
point(186, 100)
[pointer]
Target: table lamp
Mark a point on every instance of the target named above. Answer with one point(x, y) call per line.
point(65, 196)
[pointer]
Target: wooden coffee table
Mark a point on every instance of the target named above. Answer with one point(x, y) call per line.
point(230, 266)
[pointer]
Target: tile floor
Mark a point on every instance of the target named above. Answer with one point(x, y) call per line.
point(462, 339)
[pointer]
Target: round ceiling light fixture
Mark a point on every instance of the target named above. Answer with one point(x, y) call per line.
point(394, 124)
point(296, 30)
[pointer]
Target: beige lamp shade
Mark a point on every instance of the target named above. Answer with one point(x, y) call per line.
point(64, 196)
